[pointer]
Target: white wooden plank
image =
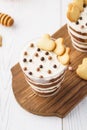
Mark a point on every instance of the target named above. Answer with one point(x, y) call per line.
point(32, 19)
point(77, 119)
point(20, 119)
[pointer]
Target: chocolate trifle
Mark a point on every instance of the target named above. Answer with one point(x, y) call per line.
point(77, 24)
point(42, 70)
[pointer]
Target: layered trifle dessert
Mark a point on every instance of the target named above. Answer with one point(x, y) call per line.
point(77, 24)
point(42, 70)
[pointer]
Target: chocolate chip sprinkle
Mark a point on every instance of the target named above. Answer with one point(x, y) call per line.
point(25, 53)
point(49, 72)
point(77, 22)
point(38, 49)
point(25, 68)
point(38, 69)
point(41, 76)
point(82, 26)
point(36, 54)
point(84, 5)
point(41, 66)
point(47, 53)
point(42, 58)
point(80, 18)
point(30, 73)
point(86, 24)
point(55, 66)
point(49, 58)
point(31, 45)
point(30, 60)
point(24, 60)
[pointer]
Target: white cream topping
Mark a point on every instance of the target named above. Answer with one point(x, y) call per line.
point(36, 62)
point(82, 22)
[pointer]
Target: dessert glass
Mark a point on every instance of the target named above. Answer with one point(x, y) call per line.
point(42, 70)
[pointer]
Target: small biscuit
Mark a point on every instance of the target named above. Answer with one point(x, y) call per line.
point(73, 12)
point(46, 43)
point(60, 48)
point(0, 40)
point(79, 3)
point(82, 69)
point(65, 58)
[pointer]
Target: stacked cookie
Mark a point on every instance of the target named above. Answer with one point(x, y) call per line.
point(77, 24)
point(42, 69)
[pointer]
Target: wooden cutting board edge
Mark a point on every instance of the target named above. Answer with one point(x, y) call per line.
point(48, 114)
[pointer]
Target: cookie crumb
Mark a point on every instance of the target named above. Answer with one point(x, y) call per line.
point(70, 68)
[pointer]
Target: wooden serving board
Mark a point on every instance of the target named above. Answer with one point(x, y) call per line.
point(72, 92)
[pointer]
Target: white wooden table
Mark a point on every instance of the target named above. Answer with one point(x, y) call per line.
point(32, 18)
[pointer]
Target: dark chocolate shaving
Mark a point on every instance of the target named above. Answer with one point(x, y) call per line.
point(30, 73)
point(24, 60)
point(41, 66)
point(42, 58)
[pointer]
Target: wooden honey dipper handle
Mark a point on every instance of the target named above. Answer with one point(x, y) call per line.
point(6, 20)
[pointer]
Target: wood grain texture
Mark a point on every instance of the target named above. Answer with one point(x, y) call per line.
point(72, 92)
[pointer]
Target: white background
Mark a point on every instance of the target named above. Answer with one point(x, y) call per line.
point(32, 18)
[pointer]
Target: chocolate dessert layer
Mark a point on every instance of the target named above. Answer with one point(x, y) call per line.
point(84, 34)
point(47, 94)
point(79, 45)
point(79, 48)
point(46, 82)
point(79, 39)
point(46, 85)
point(46, 90)
point(79, 42)
point(42, 70)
